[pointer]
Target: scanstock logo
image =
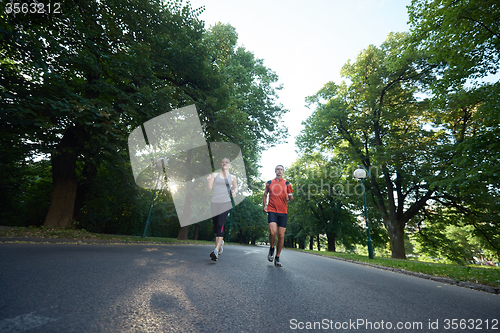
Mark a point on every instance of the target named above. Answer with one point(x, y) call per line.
point(170, 152)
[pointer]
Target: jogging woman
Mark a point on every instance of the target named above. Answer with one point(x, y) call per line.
point(221, 202)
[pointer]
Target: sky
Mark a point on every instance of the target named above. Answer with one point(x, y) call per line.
point(306, 43)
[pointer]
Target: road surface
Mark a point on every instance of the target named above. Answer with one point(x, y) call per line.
point(156, 288)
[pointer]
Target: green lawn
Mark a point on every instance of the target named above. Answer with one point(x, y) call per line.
point(83, 235)
point(487, 275)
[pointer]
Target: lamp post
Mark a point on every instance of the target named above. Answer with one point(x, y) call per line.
point(161, 163)
point(361, 174)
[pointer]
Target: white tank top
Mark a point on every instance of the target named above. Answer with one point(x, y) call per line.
point(221, 194)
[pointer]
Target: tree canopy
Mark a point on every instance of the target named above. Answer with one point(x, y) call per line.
point(417, 110)
point(75, 84)
point(377, 119)
point(420, 111)
point(462, 39)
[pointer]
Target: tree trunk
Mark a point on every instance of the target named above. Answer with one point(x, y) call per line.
point(288, 243)
point(396, 236)
point(393, 221)
point(186, 214)
point(196, 231)
point(183, 233)
point(319, 244)
point(88, 175)
point(302, 243)
point(62, 202)
point(331, 242)
point(311, 243)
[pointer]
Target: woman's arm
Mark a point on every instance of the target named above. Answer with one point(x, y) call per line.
point(210, 181)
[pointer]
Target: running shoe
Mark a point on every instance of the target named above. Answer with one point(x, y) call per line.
point(277, 262)
point(214, 255)
point(221, 248)
point(270, 255)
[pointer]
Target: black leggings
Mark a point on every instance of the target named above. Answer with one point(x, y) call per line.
point(219, 213)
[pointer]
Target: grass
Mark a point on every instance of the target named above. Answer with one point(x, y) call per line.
point(71, 234)
point(487, 275)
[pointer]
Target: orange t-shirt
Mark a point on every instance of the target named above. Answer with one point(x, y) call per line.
point(278, 194)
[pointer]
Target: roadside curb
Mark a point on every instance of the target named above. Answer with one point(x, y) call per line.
point(464, 284)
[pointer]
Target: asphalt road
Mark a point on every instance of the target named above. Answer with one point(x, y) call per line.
point(154, 288)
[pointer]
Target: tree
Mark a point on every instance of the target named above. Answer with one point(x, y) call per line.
point(320, 204)
point(462, 37)
point(74, 85)
point(250, 115)
point(377, 120)
point(447, 235)
point(96, 71)
point(248, 222)
point(462, 40)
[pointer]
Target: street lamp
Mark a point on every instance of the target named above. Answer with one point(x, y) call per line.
point(161, 164)
point(361, 174)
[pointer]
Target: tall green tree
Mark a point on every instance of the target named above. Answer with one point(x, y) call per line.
point(251, 118)
point(462, 39)
point(321, 204)
point(95, 71)
point(75, 84)
point(377, 120)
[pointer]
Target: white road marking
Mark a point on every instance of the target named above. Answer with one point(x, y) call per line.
point(23, 323)
point(249, 252)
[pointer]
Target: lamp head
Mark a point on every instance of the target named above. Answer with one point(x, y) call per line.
point(360, 173)
point(161, 163)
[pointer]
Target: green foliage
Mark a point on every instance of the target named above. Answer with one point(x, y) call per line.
point(95, 63)
point(250, 116)
point(375, 119)
point(321, 203)
point(462, 37)
point(487, 276)
point(91, 74)
point(249, 222)
point(26, 187)
point(443, 237)
point(461, 41)
point(74, 85)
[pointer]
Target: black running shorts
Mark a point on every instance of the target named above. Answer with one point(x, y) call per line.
point(277, 218)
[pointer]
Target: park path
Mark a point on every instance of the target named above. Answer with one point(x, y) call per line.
point(177, 288)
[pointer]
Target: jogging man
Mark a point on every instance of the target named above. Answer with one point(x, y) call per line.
point(279, 190)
